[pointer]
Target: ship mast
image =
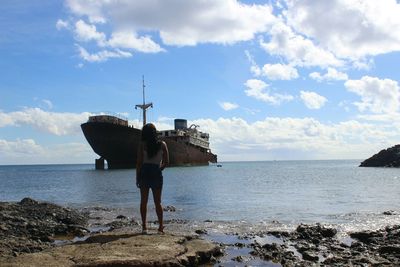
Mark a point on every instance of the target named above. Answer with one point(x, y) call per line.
point(144, 106)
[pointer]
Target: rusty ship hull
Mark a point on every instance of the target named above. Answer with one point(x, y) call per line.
point(118, 145)
point(181, 154)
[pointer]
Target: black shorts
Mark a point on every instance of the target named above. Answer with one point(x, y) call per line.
point(150, 176)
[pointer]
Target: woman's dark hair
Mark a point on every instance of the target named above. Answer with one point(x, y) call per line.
point(150, 138)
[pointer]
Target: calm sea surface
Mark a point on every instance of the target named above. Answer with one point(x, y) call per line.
point(284, 192)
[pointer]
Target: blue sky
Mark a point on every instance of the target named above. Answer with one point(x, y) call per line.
point(269, 80)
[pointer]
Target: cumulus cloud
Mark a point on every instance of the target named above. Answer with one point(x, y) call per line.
point(295, 138)
point(28, 151)
point(50, 122)
point(331, 75)
point(228, 106)
point(297, 49)
point(86, 32)
point(180, 22)
point(312, 100)
point(62, 24)
point(377, 95)
point(348, 28)
point(257, 89)
point(303, 33)
point(279, 72)
point(20, 146)
point(127, 39)
point(102, 55)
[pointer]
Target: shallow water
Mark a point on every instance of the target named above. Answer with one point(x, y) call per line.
point(274, 194)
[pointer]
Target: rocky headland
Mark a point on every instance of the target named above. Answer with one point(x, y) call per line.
point(389, 157)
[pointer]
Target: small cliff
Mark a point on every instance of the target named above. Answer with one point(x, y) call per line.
point(389, 157)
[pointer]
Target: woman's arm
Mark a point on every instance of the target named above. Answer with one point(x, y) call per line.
point(139, 162)
point(165, 156)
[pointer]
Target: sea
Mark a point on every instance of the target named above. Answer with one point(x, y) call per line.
point(274, 195)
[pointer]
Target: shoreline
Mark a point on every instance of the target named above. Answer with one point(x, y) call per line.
point(49, 226)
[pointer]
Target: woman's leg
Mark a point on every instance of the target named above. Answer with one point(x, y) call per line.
point(159, 209)
point(144, 196)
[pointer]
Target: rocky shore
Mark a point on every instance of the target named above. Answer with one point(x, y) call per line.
point(29, 228)
point(311, 245)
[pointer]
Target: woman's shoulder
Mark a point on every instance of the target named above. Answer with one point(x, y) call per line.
point(163, 144)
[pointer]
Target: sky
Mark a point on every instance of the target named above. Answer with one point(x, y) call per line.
point(268, 80)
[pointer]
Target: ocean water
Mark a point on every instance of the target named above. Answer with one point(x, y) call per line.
point(271, 193)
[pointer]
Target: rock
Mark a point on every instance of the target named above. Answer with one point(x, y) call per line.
point(201, 231)
point(366, 236)
point(169, 208)
point(315, 232)
point(389, 212)
point(28, 201)
point(309, 257)
point(121, 217)
point(328, 232)
point(389, 157)
point(238, 258)
point(123, 250)
point(239, 245)
point(389, 250)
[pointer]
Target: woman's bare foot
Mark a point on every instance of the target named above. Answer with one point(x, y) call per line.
point(144, 231)
point(161, 230)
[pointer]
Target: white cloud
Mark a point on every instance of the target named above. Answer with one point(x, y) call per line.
point(86, 32)
point(256, 88)
point(50, 122)
point(62, 24)
point(28, 151)
point(102, 55)
point(348, 28)
point(312, 100)
point(126, 39)
point(180, 22)
point(295, 138)
point(392, 118)
point(279, 72)
point(48, 103)
point(255, 69)
point(228, 106)
point(91, 9)
point(296, 49)
point(331, 75)
point(20, 146)
point(377, 95)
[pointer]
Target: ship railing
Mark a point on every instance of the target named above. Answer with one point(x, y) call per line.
point(110, 113)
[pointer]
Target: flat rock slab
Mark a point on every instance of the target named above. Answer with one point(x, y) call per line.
point(122, 250)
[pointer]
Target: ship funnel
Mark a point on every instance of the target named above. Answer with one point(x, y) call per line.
point(180, 124)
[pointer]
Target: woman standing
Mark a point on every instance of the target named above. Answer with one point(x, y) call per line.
point(152, 158)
